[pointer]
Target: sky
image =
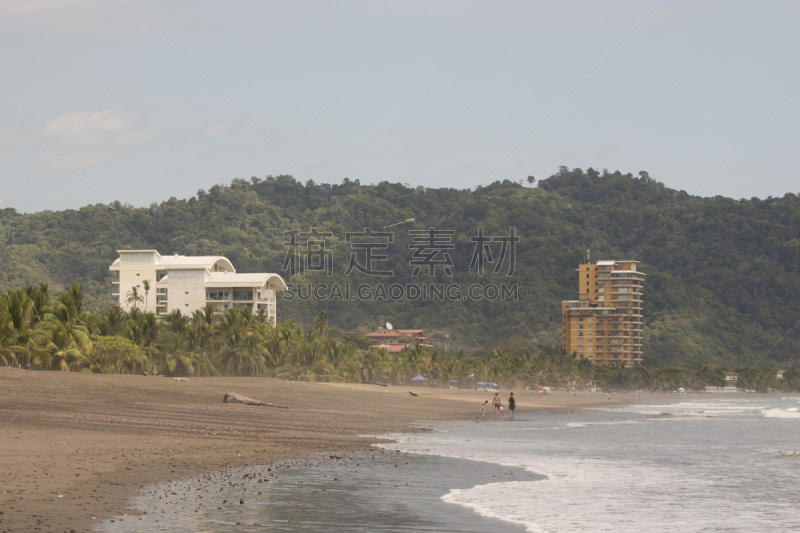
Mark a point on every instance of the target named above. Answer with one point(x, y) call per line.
point(138, 101)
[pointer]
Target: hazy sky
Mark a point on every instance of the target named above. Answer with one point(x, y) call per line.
point(138, 101)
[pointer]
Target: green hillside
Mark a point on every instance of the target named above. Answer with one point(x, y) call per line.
point(723, 275)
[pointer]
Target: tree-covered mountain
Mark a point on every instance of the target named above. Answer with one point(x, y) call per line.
point(723, 275)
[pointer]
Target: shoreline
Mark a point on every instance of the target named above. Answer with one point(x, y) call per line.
point(78, 447)
point(322, 492)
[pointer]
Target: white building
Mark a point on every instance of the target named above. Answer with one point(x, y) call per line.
point(188, 283)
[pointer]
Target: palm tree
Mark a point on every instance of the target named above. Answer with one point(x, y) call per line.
point(417, 360)
point(18, 338)
point(73, 297)
point(511, 370)
point(134, 297)
point(306, 359)
point(176, 322)
point(8, 355)
point(338, 353)
point(374, 365)
point(242, 350)
point(202, 326)
point(41, 300)
point(61, 351)
point(585, 371)
point(67, 311)
point(321, 323)
point(277, 341)
point(146, 286)
point(143, 330)
point(113, 321)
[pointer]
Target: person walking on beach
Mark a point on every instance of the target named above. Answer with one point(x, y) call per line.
point(483, 407)
point(512, 405)
point(498, 404)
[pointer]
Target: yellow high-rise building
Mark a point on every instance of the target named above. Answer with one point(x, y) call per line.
point(605, 324)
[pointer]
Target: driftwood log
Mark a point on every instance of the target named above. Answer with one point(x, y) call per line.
point(412, 393)
point(232, 397)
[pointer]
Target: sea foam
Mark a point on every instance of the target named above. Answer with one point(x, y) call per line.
point(626, 470)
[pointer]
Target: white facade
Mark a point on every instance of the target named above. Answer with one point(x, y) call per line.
point(188, 283)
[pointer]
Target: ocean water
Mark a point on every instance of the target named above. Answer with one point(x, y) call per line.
point(671, 463)
point(677, 463)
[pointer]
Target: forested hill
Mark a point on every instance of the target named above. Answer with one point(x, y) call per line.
point(723, 275)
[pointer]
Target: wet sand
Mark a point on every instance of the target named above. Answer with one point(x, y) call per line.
point(354, 492)
point(75, 448)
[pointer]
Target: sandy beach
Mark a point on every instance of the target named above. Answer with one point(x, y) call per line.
point(76, 447)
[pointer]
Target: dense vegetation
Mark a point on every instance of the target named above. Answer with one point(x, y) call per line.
point(41, 333)
point(722, 275)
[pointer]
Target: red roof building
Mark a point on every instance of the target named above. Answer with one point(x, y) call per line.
point(397, 340)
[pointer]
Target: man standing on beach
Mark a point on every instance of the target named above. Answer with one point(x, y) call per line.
point(498, 404)
point(512, 405)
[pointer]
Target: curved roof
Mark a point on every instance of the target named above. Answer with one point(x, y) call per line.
point(260, 279)
point(281, 283)
point(153, 258)
point(195, 261)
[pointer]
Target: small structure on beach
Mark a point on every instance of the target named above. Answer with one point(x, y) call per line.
point(419, 380)
point(731, 381)
point(486, 386)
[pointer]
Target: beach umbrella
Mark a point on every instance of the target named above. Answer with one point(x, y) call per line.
point(452, 381)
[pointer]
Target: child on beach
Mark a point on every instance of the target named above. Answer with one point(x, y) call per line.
point(483, 407)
